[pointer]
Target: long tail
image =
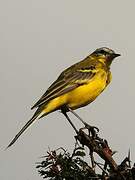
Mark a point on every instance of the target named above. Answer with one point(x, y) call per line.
point(37, 115)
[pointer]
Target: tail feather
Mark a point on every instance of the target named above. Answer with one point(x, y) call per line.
point(35, 116)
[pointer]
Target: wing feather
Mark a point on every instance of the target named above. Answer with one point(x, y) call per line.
point(64, 84)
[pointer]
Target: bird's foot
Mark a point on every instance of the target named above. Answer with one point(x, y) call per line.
point(93, 130)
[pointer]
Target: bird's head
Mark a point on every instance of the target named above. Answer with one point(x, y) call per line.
point(105, 55)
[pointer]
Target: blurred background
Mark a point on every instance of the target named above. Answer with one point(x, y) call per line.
point(38, 39)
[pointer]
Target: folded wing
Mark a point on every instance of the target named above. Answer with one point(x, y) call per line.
point(66, 82)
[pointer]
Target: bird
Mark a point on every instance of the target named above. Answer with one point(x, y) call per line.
point(76, 87)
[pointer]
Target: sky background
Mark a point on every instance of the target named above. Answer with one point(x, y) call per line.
point(38, 39)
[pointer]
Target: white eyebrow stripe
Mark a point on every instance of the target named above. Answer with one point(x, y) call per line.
point(108, 50)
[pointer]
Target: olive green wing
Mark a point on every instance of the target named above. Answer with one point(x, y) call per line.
point(67, 81)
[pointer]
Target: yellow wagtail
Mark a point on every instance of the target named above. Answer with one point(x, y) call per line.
point(76, 86)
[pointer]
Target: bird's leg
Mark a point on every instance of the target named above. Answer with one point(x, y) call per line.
point(63, 110)
point(90, 128)
point(73, 112)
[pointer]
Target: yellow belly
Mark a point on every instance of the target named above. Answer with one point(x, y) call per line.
point(80, 96)
point(85, 94)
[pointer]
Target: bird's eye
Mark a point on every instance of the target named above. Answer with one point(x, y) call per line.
point(102, 52)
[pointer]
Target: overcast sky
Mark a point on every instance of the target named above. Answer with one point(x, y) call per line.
point(38, 39)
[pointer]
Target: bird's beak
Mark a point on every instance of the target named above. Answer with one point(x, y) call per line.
point(115, 55)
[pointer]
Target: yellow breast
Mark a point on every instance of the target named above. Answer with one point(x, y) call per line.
point(87, 93)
